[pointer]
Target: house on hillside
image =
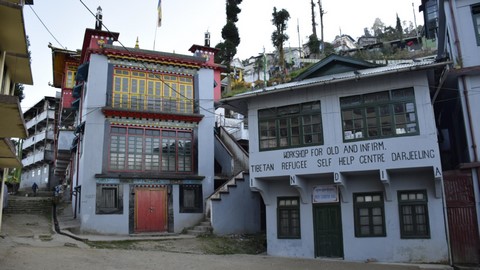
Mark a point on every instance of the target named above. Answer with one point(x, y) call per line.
point(143, 120)
point(455, 26)
point(38, 148)
point(347, 162)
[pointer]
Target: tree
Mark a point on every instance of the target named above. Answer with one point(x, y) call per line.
point(228, 48)
point(313, 45)
point(399, 29)
point(279, 36)
point(258, 66)
point(378, 27)
point(18, 91)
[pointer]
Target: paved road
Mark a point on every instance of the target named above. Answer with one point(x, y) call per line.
point(29, 242)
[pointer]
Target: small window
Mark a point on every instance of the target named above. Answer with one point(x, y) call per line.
point(191, 199)
point(109, 199)
point(413, 209)
point(476, 22)
point(288, 218)
point(369, 215)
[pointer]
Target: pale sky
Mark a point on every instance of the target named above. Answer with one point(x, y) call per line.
point(184, 23)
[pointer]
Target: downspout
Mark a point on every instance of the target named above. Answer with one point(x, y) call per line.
point(455, 33)
point(79, 145)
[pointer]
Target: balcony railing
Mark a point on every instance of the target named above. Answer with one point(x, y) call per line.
point(39, 156)
point(38, 138)
point(41, 117)
point(154, 104)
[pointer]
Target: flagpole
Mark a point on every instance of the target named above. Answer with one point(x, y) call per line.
point(155, 37)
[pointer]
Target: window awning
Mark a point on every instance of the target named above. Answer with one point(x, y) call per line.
point(82, 72)
point(77, 90)
point(76, 104)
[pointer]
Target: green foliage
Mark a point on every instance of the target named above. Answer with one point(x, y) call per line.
point(230, 33)
point(228, 48)
point(313, 44)
point(297, 72)
point(235, 244)
point(232, 10)
point(18, 91)
point(279, 36)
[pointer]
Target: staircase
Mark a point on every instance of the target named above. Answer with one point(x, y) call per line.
point(225, 188)
point(28, 205)
point(203, 228)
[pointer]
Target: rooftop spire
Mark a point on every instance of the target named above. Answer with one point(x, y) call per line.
point(136, 44)
point(98, 21)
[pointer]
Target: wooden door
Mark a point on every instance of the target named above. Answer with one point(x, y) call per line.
point(327, 225)
point(151, 210)
point(462, 217)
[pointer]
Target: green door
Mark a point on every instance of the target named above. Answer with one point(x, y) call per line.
point(327, 223)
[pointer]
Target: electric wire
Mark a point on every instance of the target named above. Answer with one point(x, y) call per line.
point(143, 64)
point(48, 30)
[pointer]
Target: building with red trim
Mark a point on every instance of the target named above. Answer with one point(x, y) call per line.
point(134, 125)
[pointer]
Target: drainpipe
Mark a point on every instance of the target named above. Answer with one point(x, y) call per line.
point(79, 145)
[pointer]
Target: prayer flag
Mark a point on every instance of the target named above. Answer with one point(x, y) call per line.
point(159, 9)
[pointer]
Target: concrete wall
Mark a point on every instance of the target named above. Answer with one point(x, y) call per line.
point(238, 211)
point(463, 21)
point(92, 149)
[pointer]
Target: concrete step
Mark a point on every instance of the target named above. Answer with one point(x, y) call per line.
point(204, 227)
point(28, 205)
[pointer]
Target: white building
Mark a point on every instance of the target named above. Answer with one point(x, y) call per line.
point(348, 163)
point(455, 26)
point(38, 148)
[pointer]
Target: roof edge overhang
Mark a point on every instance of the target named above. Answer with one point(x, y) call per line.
point(12, 123)
point(8, 157)
point(279, 88)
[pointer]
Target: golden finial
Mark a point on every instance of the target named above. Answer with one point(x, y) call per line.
point(136, 45)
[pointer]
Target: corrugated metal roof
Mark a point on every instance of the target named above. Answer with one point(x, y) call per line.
point(346, 76)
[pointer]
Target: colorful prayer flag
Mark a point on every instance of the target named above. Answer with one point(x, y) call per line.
point(159, 9)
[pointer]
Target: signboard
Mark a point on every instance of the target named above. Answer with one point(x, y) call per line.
point(325, 194)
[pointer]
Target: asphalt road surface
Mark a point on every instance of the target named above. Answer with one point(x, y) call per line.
point(29, 242)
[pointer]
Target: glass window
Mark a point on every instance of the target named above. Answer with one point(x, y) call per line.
point(152, 92)
point(290, 126)
point(369, 215)
point(413, 209)
point(288, 217)
point(476, 22)
point(138, 149)
point(379, 115)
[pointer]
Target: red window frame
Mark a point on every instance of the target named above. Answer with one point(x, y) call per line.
point(180, 146)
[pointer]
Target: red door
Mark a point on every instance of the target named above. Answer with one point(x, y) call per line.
point(151, 210)
point(462, 217)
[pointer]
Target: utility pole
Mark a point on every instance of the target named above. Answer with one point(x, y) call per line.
point(299, 44)
point(321, 23)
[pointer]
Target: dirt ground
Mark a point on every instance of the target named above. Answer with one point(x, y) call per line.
point(29, 242)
